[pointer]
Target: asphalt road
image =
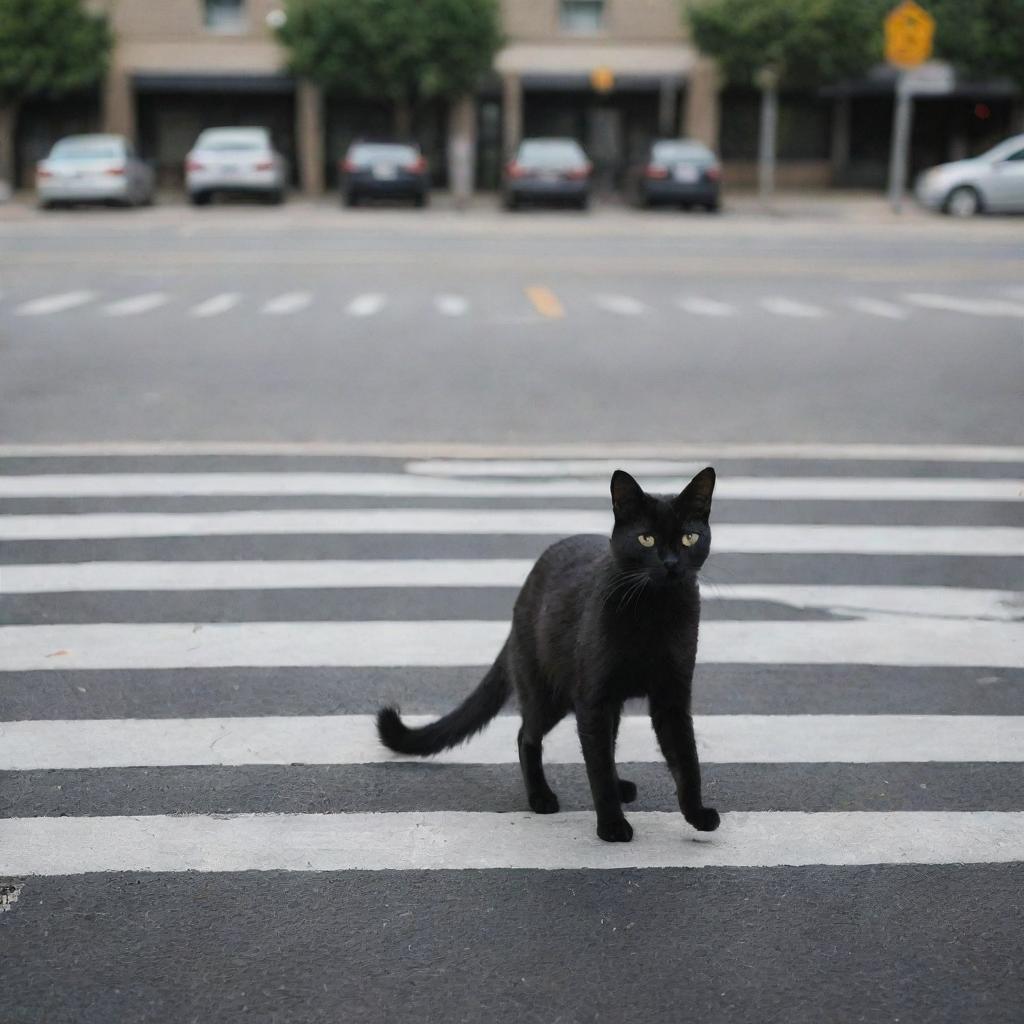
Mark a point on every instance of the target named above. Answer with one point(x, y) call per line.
point(264, 470)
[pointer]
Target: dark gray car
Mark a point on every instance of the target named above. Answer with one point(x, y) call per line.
point(384, 170)
point(548, 170)
point(678, 172)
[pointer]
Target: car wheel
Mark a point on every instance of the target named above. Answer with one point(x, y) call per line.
point(583, 204)
point(199, 198)
point(421, 199)
point(713, 207)
point(275, 198)
point(350, 198)
point(511, 203)
point(963, 202)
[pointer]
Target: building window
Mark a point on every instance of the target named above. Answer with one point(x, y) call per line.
point(581, 15)
point(224, 15)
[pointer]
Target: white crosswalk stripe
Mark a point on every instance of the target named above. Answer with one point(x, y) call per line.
point(216, 305)
point(132, 689)
point(55, 303)
point(286, 304)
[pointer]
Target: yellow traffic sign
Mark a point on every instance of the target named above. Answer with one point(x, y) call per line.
point(602, 79)
point(909, 30)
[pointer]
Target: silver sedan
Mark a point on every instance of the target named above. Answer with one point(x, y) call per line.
point(94, 169)
point(240, 160)
point(992, 182)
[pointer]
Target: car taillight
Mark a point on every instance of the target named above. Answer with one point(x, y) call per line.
point(115, 172)
point(578, 173)
point(43, 172)
point(347, 165)
point(515, 170)
point(655, 171)
point(418, 166)
point(713, 173)
point(192, 164)
point(265, 165)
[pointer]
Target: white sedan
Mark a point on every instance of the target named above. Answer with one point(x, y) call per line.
point(992, 182)
point(235, 160)
point(94, 169)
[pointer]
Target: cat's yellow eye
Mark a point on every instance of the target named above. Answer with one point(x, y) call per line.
point(689, 539)
point(646, 540)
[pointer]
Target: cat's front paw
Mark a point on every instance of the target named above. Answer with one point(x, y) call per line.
point(704, 820)
point(627, 791)
point(619, 831)
point(544, 803)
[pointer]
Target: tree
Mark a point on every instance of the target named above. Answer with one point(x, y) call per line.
point(786, 43)
point(406, 51)
point(47, 48)
point(983, 39)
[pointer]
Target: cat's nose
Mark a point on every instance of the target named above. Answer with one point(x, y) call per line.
point(671, 566)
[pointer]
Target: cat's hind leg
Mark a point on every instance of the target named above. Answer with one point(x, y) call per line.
point(537, 722)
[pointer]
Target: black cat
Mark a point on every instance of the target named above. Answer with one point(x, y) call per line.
point(594, 625)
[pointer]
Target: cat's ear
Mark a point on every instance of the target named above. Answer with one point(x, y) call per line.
point(695, 499)
point(627, 495)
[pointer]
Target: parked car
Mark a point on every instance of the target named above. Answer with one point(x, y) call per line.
point(384, 170)
point(992, 182)
point(548, 170)
point(94, 169)
point(680, 172)
point(235, 160)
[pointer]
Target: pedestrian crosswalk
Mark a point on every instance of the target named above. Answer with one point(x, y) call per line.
point(242, 634)
point(545, 302)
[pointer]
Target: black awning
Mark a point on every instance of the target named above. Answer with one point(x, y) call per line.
point(192, 81)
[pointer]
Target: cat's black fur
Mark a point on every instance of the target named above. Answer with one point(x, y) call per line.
point(594, 625)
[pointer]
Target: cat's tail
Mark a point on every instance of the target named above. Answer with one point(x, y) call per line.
point(458, 725)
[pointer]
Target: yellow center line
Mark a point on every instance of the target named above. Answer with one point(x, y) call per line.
point(545, 301)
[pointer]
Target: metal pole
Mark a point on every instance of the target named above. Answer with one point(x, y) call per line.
point(900, 150)
point(766, 143)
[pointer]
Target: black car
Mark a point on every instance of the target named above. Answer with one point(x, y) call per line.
point(384, 170)
point(548, 170)
point(681, 172)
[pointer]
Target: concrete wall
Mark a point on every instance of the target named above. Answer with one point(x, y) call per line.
point(624, 21)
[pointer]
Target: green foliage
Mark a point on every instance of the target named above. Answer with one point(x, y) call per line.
point(49, 48)
point(809, 41)
point(403, 50)
point(818, 41)
point(984, 39)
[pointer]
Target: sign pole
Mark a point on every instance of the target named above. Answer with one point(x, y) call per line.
point(900, 148)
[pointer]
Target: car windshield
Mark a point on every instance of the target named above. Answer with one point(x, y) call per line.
point(87, 149)
point(677, 150)
point(1006, 150)
point(382, 153)
point(551, 153)
point(232, 142)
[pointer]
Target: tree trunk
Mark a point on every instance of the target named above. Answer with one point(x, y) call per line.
point(403, 119)
point(766, 143)
point(8, 124)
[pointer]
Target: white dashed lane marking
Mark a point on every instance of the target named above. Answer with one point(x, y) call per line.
point(705, 307)
point(972, 307)
point(878, 307)
point(216, 305)
point(451, 305)
point(136, 304)
point(621, 305)
point(289, 302)
point(369, 304)
point(789, 307)
point(55, 303)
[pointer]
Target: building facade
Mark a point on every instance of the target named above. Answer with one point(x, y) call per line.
point(611, 73)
